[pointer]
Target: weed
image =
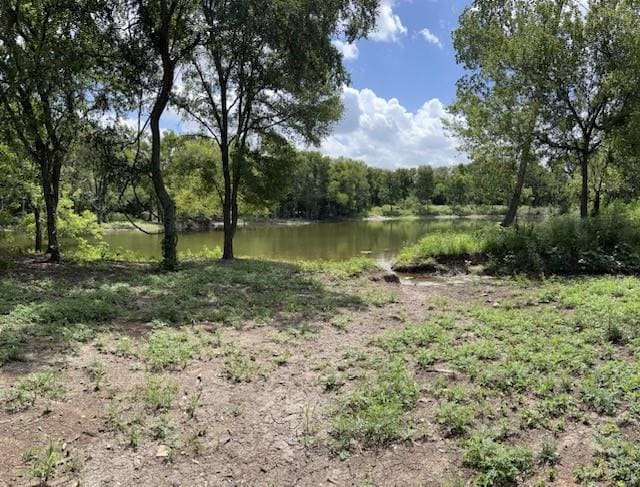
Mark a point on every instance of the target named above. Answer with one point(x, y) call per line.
point(498, 464)
point(158, 394)
point(548, 454)
point(162, 428)
point(25, 392)
point(373, 414)
point(454, 418)
point(194, 401)
point(239, 366)
point(97, 372)
point(44, 461)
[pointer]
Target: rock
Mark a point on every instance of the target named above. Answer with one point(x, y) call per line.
point(163, 451)
point(388, 277)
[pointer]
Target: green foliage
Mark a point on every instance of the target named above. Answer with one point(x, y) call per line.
point(617, 460)
point(454, 418)
point(239, 366)
point(440, 245)
point(158, 394)
point(23, 394)
point(44, 461)
point(498, 463)
point(374, 413)
point(609, 243)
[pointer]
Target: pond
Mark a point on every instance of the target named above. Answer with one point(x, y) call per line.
point(310, 241)
point(381, 240)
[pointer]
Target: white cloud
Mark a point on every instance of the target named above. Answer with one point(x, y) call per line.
point(349, 51)
point(430, 37)
point(389, 26)
point(385, 134)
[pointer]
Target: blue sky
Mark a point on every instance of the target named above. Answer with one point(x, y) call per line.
point(402, 77)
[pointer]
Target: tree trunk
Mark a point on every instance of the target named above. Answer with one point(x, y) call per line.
point(50, 188)
point(170, 239)
point(227, 209)
point(596, 203)
point(512, 211)
point(38, 236)
point(584, 194)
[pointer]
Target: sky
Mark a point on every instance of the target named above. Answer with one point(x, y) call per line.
point(402, 77)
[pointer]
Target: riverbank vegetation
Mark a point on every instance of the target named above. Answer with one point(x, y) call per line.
point(607, 243)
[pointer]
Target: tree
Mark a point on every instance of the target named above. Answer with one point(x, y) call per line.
point(584, 96)
point(424, 184)
point(267, 69)
point(49, 84)
point(505, 47)
point(155, 44)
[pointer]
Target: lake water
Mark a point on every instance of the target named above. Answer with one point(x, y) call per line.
point(336, 241)
point(312, 241)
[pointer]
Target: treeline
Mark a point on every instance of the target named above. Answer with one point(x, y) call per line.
point(101, 179)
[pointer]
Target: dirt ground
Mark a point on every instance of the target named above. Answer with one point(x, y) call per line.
point(271, 429)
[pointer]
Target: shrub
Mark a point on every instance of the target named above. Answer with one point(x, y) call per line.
point(609, 243)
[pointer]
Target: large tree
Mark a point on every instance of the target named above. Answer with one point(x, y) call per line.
point(50, 74)
point(267, 69)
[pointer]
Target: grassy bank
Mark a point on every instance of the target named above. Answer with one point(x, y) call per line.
point(609, 243)
point(276, 372)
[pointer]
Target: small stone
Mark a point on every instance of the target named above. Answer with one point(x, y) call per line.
point(163, 451)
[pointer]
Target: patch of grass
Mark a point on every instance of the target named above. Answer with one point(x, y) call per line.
point(169, 348)
point(96, 372)
point(498, 464)
point(455, 419)
point(24, 393)
point(374, 413)
point(239, 366)
point(617, 460)
point(157, 394)
point(458, 245)
point(44, 461)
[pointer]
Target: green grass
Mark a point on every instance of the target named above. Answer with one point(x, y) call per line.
point(79, 303)
point(32, 388)
point(374, 413)
point(427, 251)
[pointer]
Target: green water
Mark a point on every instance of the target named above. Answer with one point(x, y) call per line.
point(313, 241)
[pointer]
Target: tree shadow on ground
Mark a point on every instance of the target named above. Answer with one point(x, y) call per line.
point(47, 308)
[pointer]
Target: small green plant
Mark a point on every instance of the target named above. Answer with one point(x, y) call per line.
point(613, 334)
point(161, 428)
point(26, 391)
point(548, 454)
point(309, 426)
point(239, 366)
point(44, 461)
point(340, 322)
point(134, 434)
point(97, 372)
point(157, 394)
point(113, 419)
point(282, 359)
point(194, 401)
point(455, 419)
point(373, 414)
point(333, 381)
point(498, 464)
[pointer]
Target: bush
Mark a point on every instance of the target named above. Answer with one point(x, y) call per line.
point(609, 243)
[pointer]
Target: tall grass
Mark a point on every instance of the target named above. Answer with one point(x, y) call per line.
point(609, 243)
point(439, 245)
point(606, 244)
